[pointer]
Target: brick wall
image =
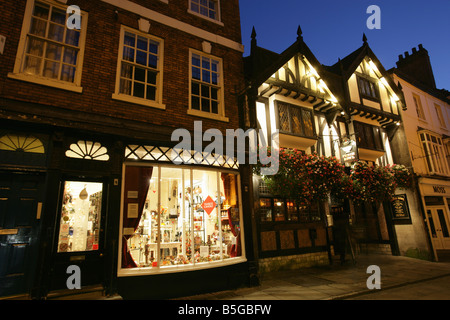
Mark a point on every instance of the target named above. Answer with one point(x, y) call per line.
point(100, 64)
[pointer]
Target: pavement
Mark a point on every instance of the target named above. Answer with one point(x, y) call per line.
point(342, 282)
point(402, 278)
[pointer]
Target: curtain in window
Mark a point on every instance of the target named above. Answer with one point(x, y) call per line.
point(137, 179)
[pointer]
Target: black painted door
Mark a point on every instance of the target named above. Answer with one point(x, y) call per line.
point(21, 197)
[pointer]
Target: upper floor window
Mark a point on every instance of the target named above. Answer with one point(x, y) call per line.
point(419, 108)
point(139, 71)
point(368, 136)
point(434, 153)
point(49, 52)
point(295, 120)
point(440, 116)
point(368, 89)
point(207, 8)
point(206, 84)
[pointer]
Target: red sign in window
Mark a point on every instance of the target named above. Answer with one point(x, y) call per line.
point(208, 205)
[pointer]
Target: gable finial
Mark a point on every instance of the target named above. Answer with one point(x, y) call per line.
point(299, 33)
point(253, 33)
point(364, 38)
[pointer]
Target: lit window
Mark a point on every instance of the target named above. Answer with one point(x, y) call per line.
point(79, 227)
point(21, 143)
point(51, 51)
point(368, 89)
point(207, 8)
point(434, 153)
point(87, 150)
point(206, 84)
point(175, 217)
point(295, 120)
point(139, 68)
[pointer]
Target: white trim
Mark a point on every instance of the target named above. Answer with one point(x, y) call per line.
point(46, 82)
point(17, 71)
point(176, 24)
point(159, 82)
point(209, 115)
point(136, 100)
point(221, 85)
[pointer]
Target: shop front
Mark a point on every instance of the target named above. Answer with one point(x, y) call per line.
point(436, 200)
point(180, 225)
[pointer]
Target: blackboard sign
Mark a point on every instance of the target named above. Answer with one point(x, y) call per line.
point(400, 209)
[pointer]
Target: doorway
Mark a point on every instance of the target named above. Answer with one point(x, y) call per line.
point(79, 234)
point(21, 197)
point(439, 227)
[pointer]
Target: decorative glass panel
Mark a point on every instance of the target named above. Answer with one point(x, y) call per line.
point(21, 143)
point(87, 150)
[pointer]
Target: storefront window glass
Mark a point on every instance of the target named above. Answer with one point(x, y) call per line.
point(186, 217)
point(80, 216)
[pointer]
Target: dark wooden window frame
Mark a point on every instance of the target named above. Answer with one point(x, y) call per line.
point(373, 86)
point(362, 136)
point(300, 110)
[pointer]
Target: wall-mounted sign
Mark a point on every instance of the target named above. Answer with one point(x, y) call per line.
point(400, 208)
point(348, 150)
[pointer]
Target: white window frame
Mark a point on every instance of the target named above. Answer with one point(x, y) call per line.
point(419, 107)
point(17, 71)
point(159, 81)
point(434, 154)
point(221, 107)
point(198, 14)
point(440, 116)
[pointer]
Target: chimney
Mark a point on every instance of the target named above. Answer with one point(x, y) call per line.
point(417, 66)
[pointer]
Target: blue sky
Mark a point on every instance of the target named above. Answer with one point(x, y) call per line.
point(333, 29)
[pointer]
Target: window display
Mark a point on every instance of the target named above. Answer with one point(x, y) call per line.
point(80, 216)
point(176, 216)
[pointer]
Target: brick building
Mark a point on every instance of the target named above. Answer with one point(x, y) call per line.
point(86, 167)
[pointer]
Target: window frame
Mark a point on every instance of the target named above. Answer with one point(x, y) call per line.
point(198, 14)
point(220, 115)
point(18, 74)
point(294, 217)
point(162, 269)
point(302, 122)
point(429, 148)
point(362, 91)
point(419, 107)
point(157, 103)
point(368, 128)
point(440, 116)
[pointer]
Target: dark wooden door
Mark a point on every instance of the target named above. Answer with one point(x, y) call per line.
point(21, 197)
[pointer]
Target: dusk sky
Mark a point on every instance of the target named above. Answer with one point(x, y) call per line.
point(333, 29)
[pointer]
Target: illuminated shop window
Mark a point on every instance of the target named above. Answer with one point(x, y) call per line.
point(80, 216)
point(21, 143)
point(179, 217)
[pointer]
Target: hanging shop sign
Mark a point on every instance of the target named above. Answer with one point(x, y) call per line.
point(400, 208)
point(348, 150)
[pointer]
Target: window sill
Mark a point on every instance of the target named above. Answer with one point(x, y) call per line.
point(46, 82)
point(208, 115)
point(205, 17)
point(139, 101)
point(178, 268)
